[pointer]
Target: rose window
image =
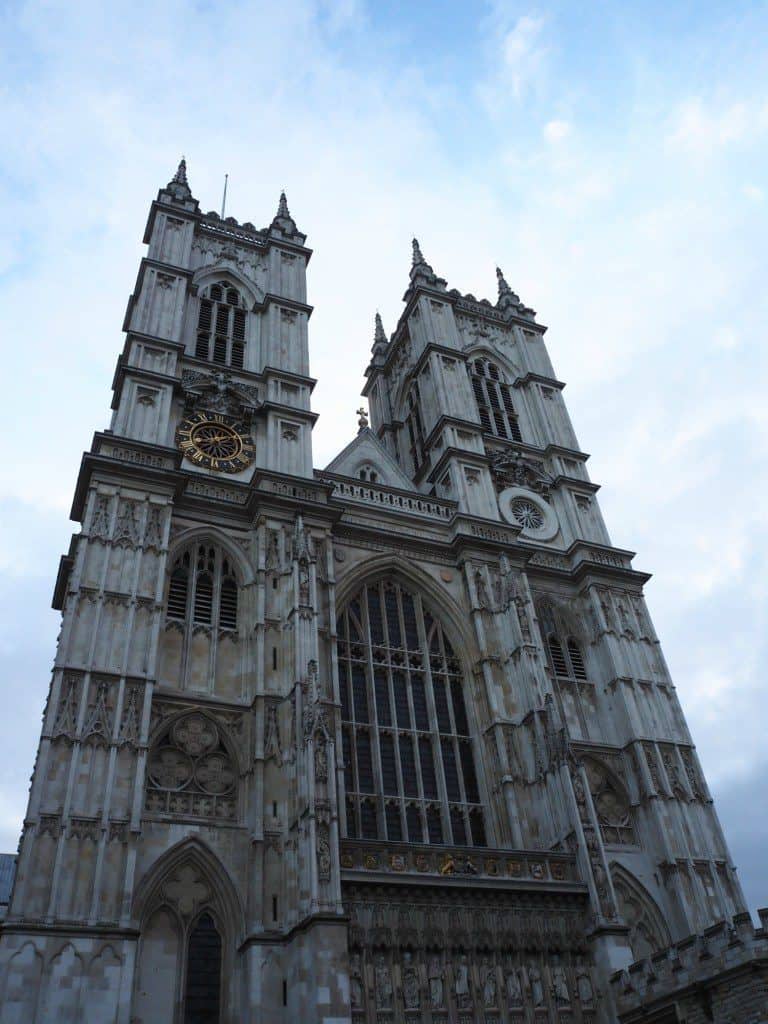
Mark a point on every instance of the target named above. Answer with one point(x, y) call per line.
point(190, 772)
point(527, 514)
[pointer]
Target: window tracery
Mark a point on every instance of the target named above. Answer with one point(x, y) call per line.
point(493, 396)
point(408, 761)
point(190, 772)
point(221, 325)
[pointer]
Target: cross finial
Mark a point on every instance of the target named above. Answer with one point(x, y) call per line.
point(362, 421)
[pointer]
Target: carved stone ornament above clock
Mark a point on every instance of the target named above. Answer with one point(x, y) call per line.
point(217, 392)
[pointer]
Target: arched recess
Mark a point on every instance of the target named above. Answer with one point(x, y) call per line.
point(225, 273)
point(202, 645)
point(509, 368)
point(611, 802)
point(647, 929)
point(187, 890)
point(194, 769)
point(411, 759)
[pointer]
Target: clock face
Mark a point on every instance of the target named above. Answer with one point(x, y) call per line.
point(217, 442)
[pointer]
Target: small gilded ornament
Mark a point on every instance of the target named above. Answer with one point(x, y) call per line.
point(397, 861)
point(447, 865)
point(370, 861)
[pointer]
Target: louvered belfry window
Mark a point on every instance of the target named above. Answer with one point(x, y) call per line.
point(221, 326)
point(566, 663)
point(415, 427)
point(203, 589)
point(409, 768)
point(494, 400)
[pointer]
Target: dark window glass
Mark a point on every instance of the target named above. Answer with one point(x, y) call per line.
point(413, 818)
point(434, 825)
point(344, 690)
point(394, 824)
point(408, 766)
point(468, 768)
point(441, 705)
point(428, 779)
point(202, 999)
point(419, 702)
point(364, 762)
point(457, 826)
point(450, 769)
point(359, 693)
point(459, 711)
point(381, 687)
point(400, 690)
point(374, 616)
point(393, 618)
point(388, 766)
point(368, 825)
point(346, 748)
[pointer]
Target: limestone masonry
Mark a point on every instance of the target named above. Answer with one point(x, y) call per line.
point(392, 741)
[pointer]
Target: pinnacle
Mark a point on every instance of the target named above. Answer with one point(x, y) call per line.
point(180, 177)
point(418, 256)
point(503, 286)
point(379, 335)
point(282, 207)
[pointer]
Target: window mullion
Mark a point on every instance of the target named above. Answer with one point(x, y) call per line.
point(373, 716)
point(434, 737)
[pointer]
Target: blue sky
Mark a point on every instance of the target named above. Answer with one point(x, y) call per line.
point(610, 157)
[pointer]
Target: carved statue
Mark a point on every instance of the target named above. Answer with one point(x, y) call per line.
point(514, 988)
point(537, 986)
point(435, 974)
point(321, 758)
point(584, 986)
point(382, 983)
point(462, 984)
point(489, 983)
point(355, 981)
point(410, 983)
point(560, 986)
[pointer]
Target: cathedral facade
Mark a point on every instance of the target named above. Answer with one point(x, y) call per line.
point(386, 743)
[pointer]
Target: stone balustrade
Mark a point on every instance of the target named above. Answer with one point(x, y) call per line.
point(389, 498)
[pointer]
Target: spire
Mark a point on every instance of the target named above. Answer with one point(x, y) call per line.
point(178, 186)
point(283, 223)
point(380, 343)
point(180, 177)
point(507, 298)
point(418, 258)
point(379, 337)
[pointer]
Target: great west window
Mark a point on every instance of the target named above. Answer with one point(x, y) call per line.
point(409, 770)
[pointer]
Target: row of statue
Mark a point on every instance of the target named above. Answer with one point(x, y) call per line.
point(435, 983)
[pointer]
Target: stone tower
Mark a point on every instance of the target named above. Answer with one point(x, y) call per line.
point(389, 742)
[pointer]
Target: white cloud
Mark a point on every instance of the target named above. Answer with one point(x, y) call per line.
point(754, 192)
point(556, 131)
point(702, 127)
point(516, 58)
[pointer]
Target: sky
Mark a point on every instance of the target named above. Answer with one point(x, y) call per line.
point(610, 157)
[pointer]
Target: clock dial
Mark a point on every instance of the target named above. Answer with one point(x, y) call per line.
point(215, 441)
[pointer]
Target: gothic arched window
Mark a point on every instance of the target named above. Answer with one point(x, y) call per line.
point(409, 769)
point(199, 649)
point(494, 400)
point(221, 326)
point(203, 589)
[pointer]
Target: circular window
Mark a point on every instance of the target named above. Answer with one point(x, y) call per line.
point(528, 515)
point(530, 512)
